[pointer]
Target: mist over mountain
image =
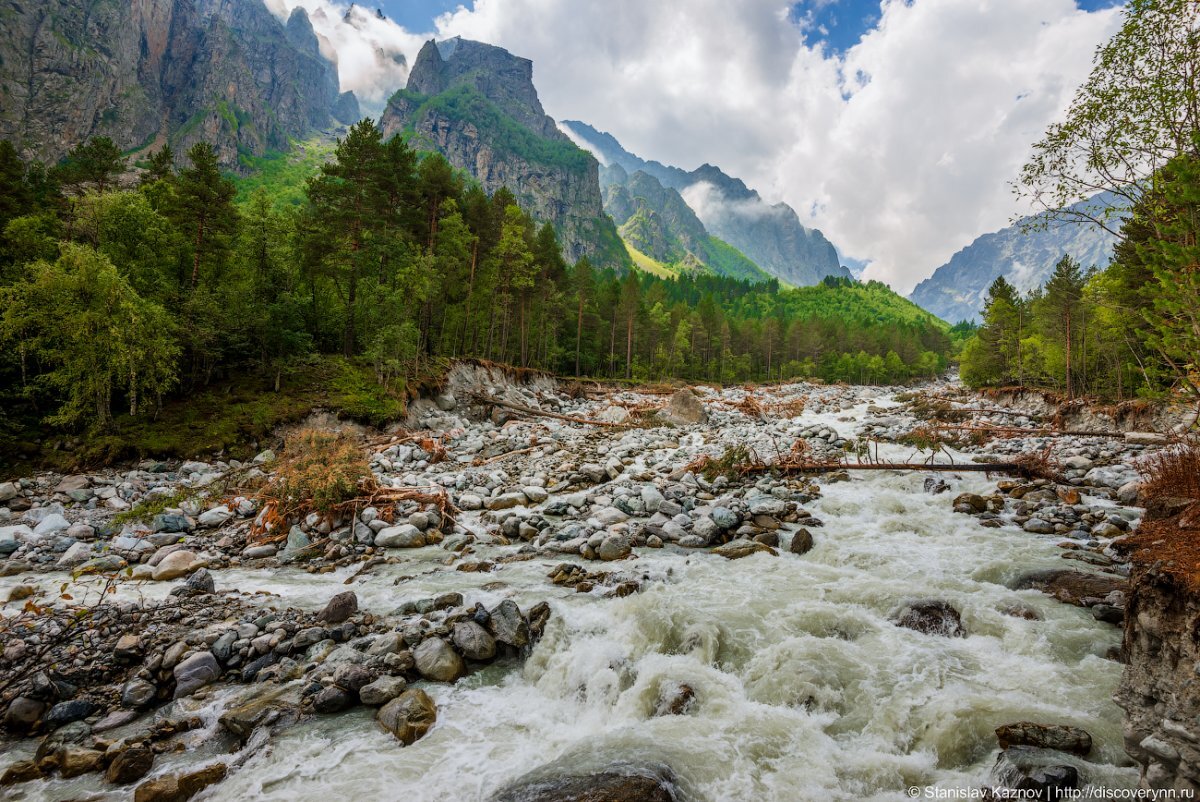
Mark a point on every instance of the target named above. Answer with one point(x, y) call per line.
point(769, 235)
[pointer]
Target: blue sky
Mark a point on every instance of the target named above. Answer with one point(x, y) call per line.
point(841, 23)
point(416, 15)
point(838, 23)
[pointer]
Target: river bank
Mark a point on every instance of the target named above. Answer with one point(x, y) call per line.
point(741, 636)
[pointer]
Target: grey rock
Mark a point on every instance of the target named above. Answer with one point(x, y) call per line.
point(409, 716)
point(195, 672)
point(508, 625)
point(381, 691)
point(405, 536)
point(339, 608)
point(437, 661)
point(475, 642)
point(614, 547)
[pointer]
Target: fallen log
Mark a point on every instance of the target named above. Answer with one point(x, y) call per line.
point(1016, 430)
point(1020, 469)
point(545, 413)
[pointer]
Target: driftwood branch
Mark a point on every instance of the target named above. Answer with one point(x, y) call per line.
point(1020, 469)
point(1015, 430)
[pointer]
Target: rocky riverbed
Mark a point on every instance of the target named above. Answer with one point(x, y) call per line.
point(592, 587)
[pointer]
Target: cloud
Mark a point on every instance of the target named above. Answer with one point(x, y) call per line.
point(583, 142)
point(710, 203)
point(900, 149)
point(372, 53)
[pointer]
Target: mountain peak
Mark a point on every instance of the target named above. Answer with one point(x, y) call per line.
point(504, 79)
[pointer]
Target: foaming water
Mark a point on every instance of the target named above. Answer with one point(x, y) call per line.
point(805, 690)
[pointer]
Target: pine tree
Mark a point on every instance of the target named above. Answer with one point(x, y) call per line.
point(204, 207)
point(1062, 311)
point(95, 163)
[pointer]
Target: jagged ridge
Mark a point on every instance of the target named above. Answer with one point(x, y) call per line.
point(772, 237)
point(476, 104)
point(957, 290)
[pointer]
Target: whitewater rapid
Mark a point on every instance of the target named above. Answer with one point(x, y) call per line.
point(804, 688)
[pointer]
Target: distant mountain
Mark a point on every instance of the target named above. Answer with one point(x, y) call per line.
point(772, 237)
point(657, 223)
point(477, 105)
point(957, 290)
point(154, 72)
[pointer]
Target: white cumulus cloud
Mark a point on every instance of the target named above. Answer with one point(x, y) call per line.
point(372, 53)
point(900, 149)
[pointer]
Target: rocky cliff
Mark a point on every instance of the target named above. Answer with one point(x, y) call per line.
point(148, 72)
point(771, 236)
point(1160, 689)
point(957, 290)
point(658, 222)
point(476, 104)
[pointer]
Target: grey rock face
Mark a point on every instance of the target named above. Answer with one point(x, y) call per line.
point(219, 71)
point(563, 191)
point(957, 290)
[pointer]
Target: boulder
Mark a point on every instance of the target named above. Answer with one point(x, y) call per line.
point(618, 783)
point(1071, 587)
point(331, 699)
point(437, 661)
point(613, 414)
point(352, 677)
point(138, 693)
point(475, 642)
point(1039, 526)
point(404, 536)
point(508, 625)
point(381, 691)
point(215, 517)
point(736, 549)
point(802, 542)
point(684, 409)
point(931, 617)
point(200, 582)
point(261, 707)
point(23, 713)
point(614, 547)
point(409, 716)
point(66, 712)
point(179, 787)
point(130, 765)
point(970, 503)
point(177, 564)
point(1035, 772)
point(339, 608)
point(195, 672)
point(505, 501)
point(50, 524)
point(69, 483)
point(1060, 737)
point(74, 760)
